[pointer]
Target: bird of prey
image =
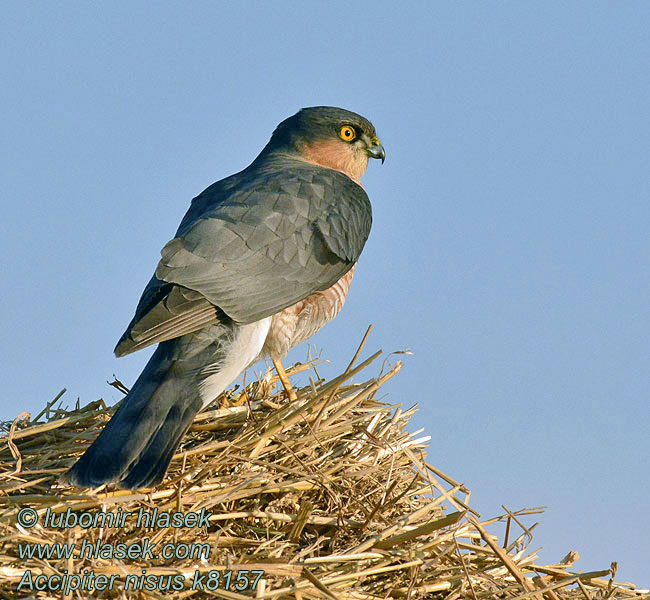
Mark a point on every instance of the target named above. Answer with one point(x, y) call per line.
point(260, 262)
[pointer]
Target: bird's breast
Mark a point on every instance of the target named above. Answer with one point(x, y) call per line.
point(299, 322)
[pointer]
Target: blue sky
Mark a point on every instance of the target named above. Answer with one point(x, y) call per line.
point(509, 251)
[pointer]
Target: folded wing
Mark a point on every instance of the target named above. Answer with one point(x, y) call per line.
point(246, 255)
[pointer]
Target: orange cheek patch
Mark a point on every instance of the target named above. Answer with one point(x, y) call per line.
point(341, 156)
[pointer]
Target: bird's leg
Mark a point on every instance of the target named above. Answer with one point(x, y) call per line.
point(284, 378)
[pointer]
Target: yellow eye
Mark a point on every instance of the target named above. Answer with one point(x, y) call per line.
point(347, 133)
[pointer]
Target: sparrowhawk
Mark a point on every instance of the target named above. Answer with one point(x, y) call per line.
point(260, 262)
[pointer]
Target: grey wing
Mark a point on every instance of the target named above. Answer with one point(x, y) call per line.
point(165, 311)
point(271, 242)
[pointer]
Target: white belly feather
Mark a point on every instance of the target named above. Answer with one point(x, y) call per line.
point(245, 348)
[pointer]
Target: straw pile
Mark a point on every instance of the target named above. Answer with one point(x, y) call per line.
point(330, 496)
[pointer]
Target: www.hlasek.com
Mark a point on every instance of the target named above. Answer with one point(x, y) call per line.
point(87, 580)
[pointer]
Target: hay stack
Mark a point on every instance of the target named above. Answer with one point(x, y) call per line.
point(330, 496)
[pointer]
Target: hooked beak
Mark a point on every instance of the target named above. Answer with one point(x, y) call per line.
point(376, 150)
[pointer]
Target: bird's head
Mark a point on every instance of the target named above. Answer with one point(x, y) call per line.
point(330, 137)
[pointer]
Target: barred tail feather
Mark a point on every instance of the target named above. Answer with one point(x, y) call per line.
point(137, 444)
point(183, 375)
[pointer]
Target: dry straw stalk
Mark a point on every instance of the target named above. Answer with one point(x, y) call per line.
point(330, 496)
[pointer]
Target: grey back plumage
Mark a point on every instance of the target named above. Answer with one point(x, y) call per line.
point(252, 245)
